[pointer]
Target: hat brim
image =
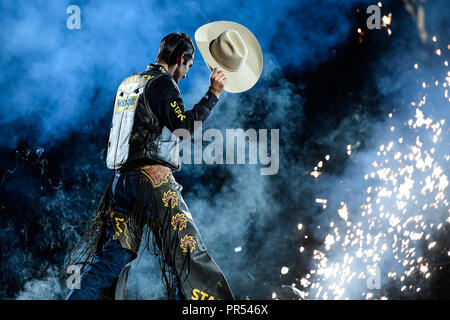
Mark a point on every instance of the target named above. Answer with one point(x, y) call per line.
point(248, 74)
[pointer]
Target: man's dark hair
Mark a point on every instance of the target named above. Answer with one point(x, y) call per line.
point(172, 46)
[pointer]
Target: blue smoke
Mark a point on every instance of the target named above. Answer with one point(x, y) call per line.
point(58, 87)
point(59, 80)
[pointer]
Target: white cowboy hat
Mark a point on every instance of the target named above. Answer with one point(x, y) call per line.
point(234, 49)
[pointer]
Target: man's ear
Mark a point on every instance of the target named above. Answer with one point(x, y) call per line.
point(181, 59)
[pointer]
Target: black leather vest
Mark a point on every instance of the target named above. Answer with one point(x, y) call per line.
point(137, 137)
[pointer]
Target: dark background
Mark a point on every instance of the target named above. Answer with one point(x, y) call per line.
point(324, 86)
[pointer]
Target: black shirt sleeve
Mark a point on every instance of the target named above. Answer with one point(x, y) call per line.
point(167, 104)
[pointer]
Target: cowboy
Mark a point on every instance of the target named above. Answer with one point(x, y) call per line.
point(143, 151)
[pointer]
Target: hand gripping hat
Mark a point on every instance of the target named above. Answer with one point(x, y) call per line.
point(234, 49)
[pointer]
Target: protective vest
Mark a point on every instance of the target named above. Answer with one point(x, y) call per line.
point(136, 134)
